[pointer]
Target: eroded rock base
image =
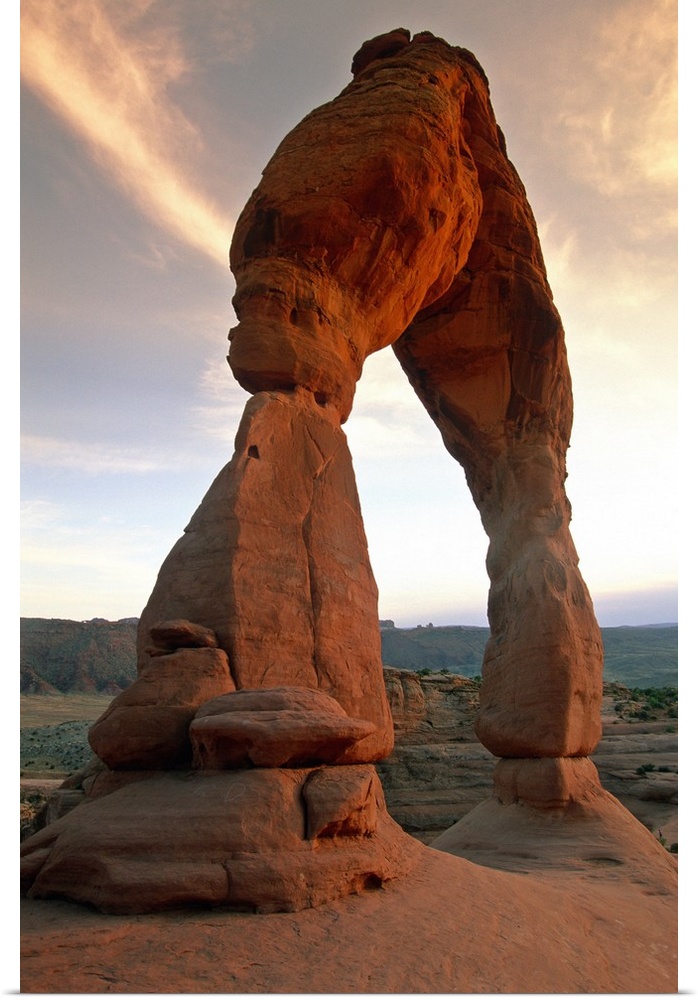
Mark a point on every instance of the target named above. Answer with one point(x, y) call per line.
point(264, 840)
point(578, 827)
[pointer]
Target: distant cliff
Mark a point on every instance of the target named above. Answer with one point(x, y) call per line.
point(60, 656)
point(638, 656)
point(100, 656)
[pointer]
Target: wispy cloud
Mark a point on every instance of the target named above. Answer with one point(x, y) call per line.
point(620, 115)
point(223, 400)
point(108, 70)
point(91, 459)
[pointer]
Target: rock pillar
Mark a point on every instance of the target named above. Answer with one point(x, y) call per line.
point(275, 562)
point(489, 363)
point(364, 214)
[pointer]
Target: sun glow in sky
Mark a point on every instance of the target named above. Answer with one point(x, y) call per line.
point(145, 127)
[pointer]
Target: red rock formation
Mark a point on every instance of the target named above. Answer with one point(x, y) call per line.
point(274, 727)
point(275, 562)
point(364, 215)
point(488, 361)
point(266, 839)
point(357, 238)
point(389, 216)
point(147, 726)
point(392, 215)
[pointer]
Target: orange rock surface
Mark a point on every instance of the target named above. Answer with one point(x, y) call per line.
point(520, 902)
point(274, 727)
point(266, 839)
point(147, 725)
point(275, 561)
point(392, 215)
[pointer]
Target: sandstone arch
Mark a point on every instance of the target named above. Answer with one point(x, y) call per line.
point(392, 216)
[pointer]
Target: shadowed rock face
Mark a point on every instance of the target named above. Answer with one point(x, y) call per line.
point(275, 561)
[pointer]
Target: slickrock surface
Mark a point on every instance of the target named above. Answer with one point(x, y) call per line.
point(448, 927)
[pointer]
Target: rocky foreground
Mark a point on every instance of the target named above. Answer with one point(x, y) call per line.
point(577, 901)
point(505, 903)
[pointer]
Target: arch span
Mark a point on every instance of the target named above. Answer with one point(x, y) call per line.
point(393, 216)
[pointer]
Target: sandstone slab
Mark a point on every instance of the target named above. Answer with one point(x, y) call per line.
point(274, 727)
point(236, 838)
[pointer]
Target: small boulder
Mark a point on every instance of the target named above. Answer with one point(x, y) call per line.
point(180, 634)
point(342, 802)
point(274, 727)
point(147, 725)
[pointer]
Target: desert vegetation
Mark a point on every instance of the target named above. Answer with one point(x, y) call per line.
point(649, 704)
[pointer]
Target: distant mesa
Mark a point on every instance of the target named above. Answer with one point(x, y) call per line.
point(238, 769)
point(637, 656)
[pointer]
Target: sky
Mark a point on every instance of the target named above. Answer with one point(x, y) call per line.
point(145, 125)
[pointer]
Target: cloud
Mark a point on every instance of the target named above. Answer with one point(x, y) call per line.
point(91, 459)
point(108, 71)
point(619, 117)
point(218, 415)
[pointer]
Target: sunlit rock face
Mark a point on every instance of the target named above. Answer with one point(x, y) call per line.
point(238, 769)
point(364, 215)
